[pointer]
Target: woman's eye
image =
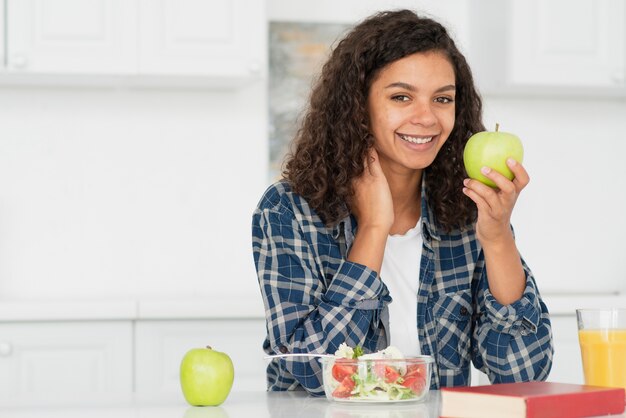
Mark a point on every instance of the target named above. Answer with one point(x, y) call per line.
point(400, 98)
point(444, 100)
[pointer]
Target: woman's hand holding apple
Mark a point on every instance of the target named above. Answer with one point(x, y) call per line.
point(495, 205)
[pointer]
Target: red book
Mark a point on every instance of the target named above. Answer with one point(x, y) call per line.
point(531, 400)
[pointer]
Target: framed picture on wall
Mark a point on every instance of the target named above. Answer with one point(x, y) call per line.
point(297, 52)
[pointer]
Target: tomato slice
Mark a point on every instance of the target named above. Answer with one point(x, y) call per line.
point(344, 389)
point(415, 370)
point(388, 373)
point(391, 374)
point(341, 370)
point(415, 383)
point(415, 378)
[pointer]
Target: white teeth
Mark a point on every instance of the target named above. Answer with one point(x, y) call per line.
point(416, 140)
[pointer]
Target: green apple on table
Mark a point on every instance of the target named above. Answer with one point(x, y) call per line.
point(206, 376)
point(491, 149)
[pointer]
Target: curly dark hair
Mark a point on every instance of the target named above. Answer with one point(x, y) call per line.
point(334, 138)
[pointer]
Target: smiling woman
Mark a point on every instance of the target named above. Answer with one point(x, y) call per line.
point(375, 235)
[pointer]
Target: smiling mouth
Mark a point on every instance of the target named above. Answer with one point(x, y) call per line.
point(416, 139)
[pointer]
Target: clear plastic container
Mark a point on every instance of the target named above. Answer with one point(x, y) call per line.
point(377, 380)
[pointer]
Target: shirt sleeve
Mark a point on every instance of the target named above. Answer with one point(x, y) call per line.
point(513, 342)
point(305, 311)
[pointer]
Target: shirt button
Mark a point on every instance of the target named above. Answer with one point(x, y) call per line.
point(463, 310)
point(283, 349)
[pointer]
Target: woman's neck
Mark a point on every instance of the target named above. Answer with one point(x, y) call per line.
point(405, 190)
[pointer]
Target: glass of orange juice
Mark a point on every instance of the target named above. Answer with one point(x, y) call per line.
point(602, 337)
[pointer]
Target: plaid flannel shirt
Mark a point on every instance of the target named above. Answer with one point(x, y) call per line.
point(315, 299)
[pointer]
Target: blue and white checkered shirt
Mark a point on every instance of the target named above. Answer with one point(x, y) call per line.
point(315, 299)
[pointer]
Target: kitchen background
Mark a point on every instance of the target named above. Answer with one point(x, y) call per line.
point(136, 142)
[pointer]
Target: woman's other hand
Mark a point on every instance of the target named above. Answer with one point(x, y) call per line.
point(372, 204)
point(373, 208)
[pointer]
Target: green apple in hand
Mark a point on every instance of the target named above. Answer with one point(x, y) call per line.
point(206, 376)
point(491, 149)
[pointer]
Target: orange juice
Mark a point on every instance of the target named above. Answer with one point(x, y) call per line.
point(604, 356)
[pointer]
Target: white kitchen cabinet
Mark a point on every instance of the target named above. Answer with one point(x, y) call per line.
point(161, 345)
point(587, 49)
point(140, 42)
point(198, 37)
point(551, 46)
point(71, 36)
point(65, 361)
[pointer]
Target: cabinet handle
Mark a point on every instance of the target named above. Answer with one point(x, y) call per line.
point(19, 61)
point(5, 349)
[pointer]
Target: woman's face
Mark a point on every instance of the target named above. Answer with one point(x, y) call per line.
point(411, 108)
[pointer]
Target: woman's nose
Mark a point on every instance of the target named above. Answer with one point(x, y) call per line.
point(423, 115)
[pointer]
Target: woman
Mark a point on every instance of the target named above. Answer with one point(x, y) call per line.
point(376, 237)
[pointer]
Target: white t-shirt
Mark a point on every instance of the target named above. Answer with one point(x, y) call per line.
point(400, 273)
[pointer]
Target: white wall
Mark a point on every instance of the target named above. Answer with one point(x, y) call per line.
point(570, 220)
point(121, 192)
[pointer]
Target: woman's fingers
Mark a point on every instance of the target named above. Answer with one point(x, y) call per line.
point(372, 203)
point(495, 205)
point(470, 191)
point(522, 178)
point(373, 163)
point(503, 184)
point(519, 181)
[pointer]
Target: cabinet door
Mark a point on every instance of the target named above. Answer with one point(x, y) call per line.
point(65, 361)
point(203, 38)
point(161, 345)
point(561, 42)
point(71, 36)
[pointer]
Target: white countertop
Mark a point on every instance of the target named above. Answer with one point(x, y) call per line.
point(216, 307)
point(238, 405)
point(148, 308)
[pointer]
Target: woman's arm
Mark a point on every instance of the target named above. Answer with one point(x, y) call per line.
point(514, 341)
point(495, 206)
point(372, 206)
point(512, 331)
point(306, 310)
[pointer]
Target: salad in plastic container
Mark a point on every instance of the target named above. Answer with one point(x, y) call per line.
point(384, 376)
